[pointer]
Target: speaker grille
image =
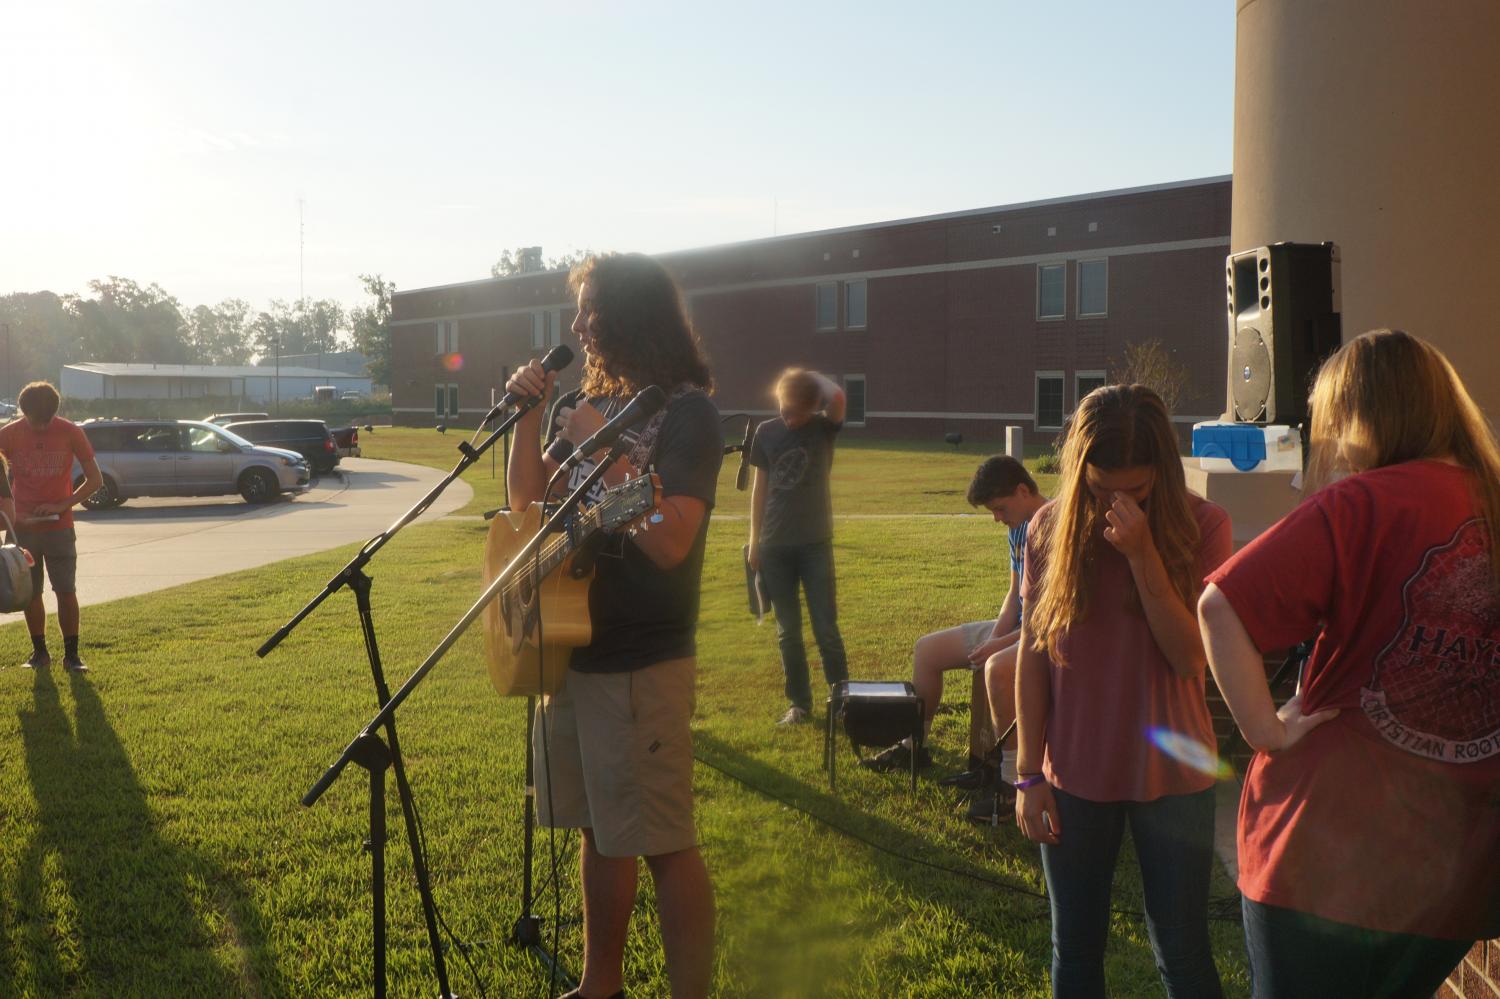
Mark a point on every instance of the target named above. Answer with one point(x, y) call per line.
point(1250, 373)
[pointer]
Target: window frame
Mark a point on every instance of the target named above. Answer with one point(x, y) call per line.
point(864, 414)
point(440, 401)
point(1036, 399)
point(1078, 376)
point(817, 303)
point(1078, 304)
point(1063, 315)
point(864, 286)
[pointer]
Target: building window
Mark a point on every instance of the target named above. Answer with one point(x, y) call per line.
point(1051, 290)
point(828, 306)
point(440, 401)
point(1093, 287)
point(854, 305)
point(1049, 400)
point(854, 400)
point(447, 336)
point(452, 402)
point(546, 329)
point(1085, 382)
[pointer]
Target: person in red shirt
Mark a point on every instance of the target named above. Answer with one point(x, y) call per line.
point(1369, 828)
point(1111, 671)
point(7, 504)
point(41, 447)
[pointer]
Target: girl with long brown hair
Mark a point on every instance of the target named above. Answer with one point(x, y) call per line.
point(1112, 669)
point(1369, 831)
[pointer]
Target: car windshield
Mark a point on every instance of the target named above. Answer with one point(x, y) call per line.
point(199, 433)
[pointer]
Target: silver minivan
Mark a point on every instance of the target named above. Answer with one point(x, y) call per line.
point(186, 458)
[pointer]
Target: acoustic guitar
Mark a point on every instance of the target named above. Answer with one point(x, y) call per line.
point(540, 600)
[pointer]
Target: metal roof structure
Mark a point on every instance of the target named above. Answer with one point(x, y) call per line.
point(206, 371)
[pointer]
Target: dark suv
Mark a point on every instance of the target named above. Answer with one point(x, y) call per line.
point(309, 438)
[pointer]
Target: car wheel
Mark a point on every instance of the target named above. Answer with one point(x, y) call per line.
point(106, 496)
point(257, 486)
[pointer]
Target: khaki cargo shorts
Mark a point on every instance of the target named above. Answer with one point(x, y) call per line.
point(55, 551)
point(976, 633)
point(614, 753)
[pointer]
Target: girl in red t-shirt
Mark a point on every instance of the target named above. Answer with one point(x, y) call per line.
point(1369, 831)
point(1112, 668)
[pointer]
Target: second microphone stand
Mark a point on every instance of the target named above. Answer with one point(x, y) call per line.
point(377, 755)
point(366, 748)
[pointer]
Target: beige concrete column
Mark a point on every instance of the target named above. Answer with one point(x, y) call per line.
point(1376, 124)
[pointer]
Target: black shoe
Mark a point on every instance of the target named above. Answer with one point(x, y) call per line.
point(73, 664)
point(897, 757)
point(993, 805)
point(38, 660)
point(969, 780)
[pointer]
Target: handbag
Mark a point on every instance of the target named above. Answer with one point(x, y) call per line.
point(15, 572)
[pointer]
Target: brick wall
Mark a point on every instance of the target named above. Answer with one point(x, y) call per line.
point(1477, 975)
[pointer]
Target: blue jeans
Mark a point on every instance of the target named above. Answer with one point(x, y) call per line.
point(1174, 838)
point(782, 567)
point(1296, 955)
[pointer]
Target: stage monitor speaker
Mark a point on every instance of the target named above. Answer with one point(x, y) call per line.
point(1283, 321)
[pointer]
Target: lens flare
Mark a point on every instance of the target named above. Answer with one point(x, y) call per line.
point(453, 362)
point(1190, 752)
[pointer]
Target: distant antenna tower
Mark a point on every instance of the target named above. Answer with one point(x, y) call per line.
point(301, 255)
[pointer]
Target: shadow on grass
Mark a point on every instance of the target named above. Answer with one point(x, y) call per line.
point(915, 864)
point(103, 904)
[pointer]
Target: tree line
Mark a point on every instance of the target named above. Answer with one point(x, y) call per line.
point(122, 321)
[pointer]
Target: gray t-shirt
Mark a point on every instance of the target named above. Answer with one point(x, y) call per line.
point(796, 464)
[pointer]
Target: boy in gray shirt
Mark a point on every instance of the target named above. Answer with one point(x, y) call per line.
point(791, 526)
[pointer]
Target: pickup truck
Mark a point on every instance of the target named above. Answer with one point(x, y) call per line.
point(347, 440)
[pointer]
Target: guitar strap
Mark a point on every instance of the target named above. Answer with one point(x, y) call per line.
point(643, 454)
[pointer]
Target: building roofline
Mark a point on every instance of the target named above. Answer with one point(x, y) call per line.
point(1174, 185)
point(147, 370)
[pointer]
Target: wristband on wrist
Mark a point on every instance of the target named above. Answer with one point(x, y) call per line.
point(1031, 781)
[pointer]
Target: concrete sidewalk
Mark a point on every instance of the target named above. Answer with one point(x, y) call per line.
point(151, 544)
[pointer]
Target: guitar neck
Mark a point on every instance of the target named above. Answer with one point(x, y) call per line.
point(556, 551)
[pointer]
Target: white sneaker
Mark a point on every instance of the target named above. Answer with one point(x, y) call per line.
point(794, 716)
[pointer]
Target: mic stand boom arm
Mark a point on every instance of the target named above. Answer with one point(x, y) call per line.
point(377, 755)
point(361, 558)
point(517, 563)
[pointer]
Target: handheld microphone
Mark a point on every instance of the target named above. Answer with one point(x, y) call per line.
point(641, 408)
point(557, 358)
point(742, 478)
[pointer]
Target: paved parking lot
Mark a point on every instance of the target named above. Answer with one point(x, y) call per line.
point(150, 544)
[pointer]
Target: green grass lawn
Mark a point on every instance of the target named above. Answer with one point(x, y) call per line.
point(152, 841)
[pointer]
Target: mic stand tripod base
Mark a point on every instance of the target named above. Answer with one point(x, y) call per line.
point(527, 932)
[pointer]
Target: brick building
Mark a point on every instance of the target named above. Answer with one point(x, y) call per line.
point(968, 321)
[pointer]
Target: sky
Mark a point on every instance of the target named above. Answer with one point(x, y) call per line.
point(255, 149)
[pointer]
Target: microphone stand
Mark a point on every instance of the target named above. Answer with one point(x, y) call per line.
point(367, 750)
point(375, 755)
point(744, 446)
